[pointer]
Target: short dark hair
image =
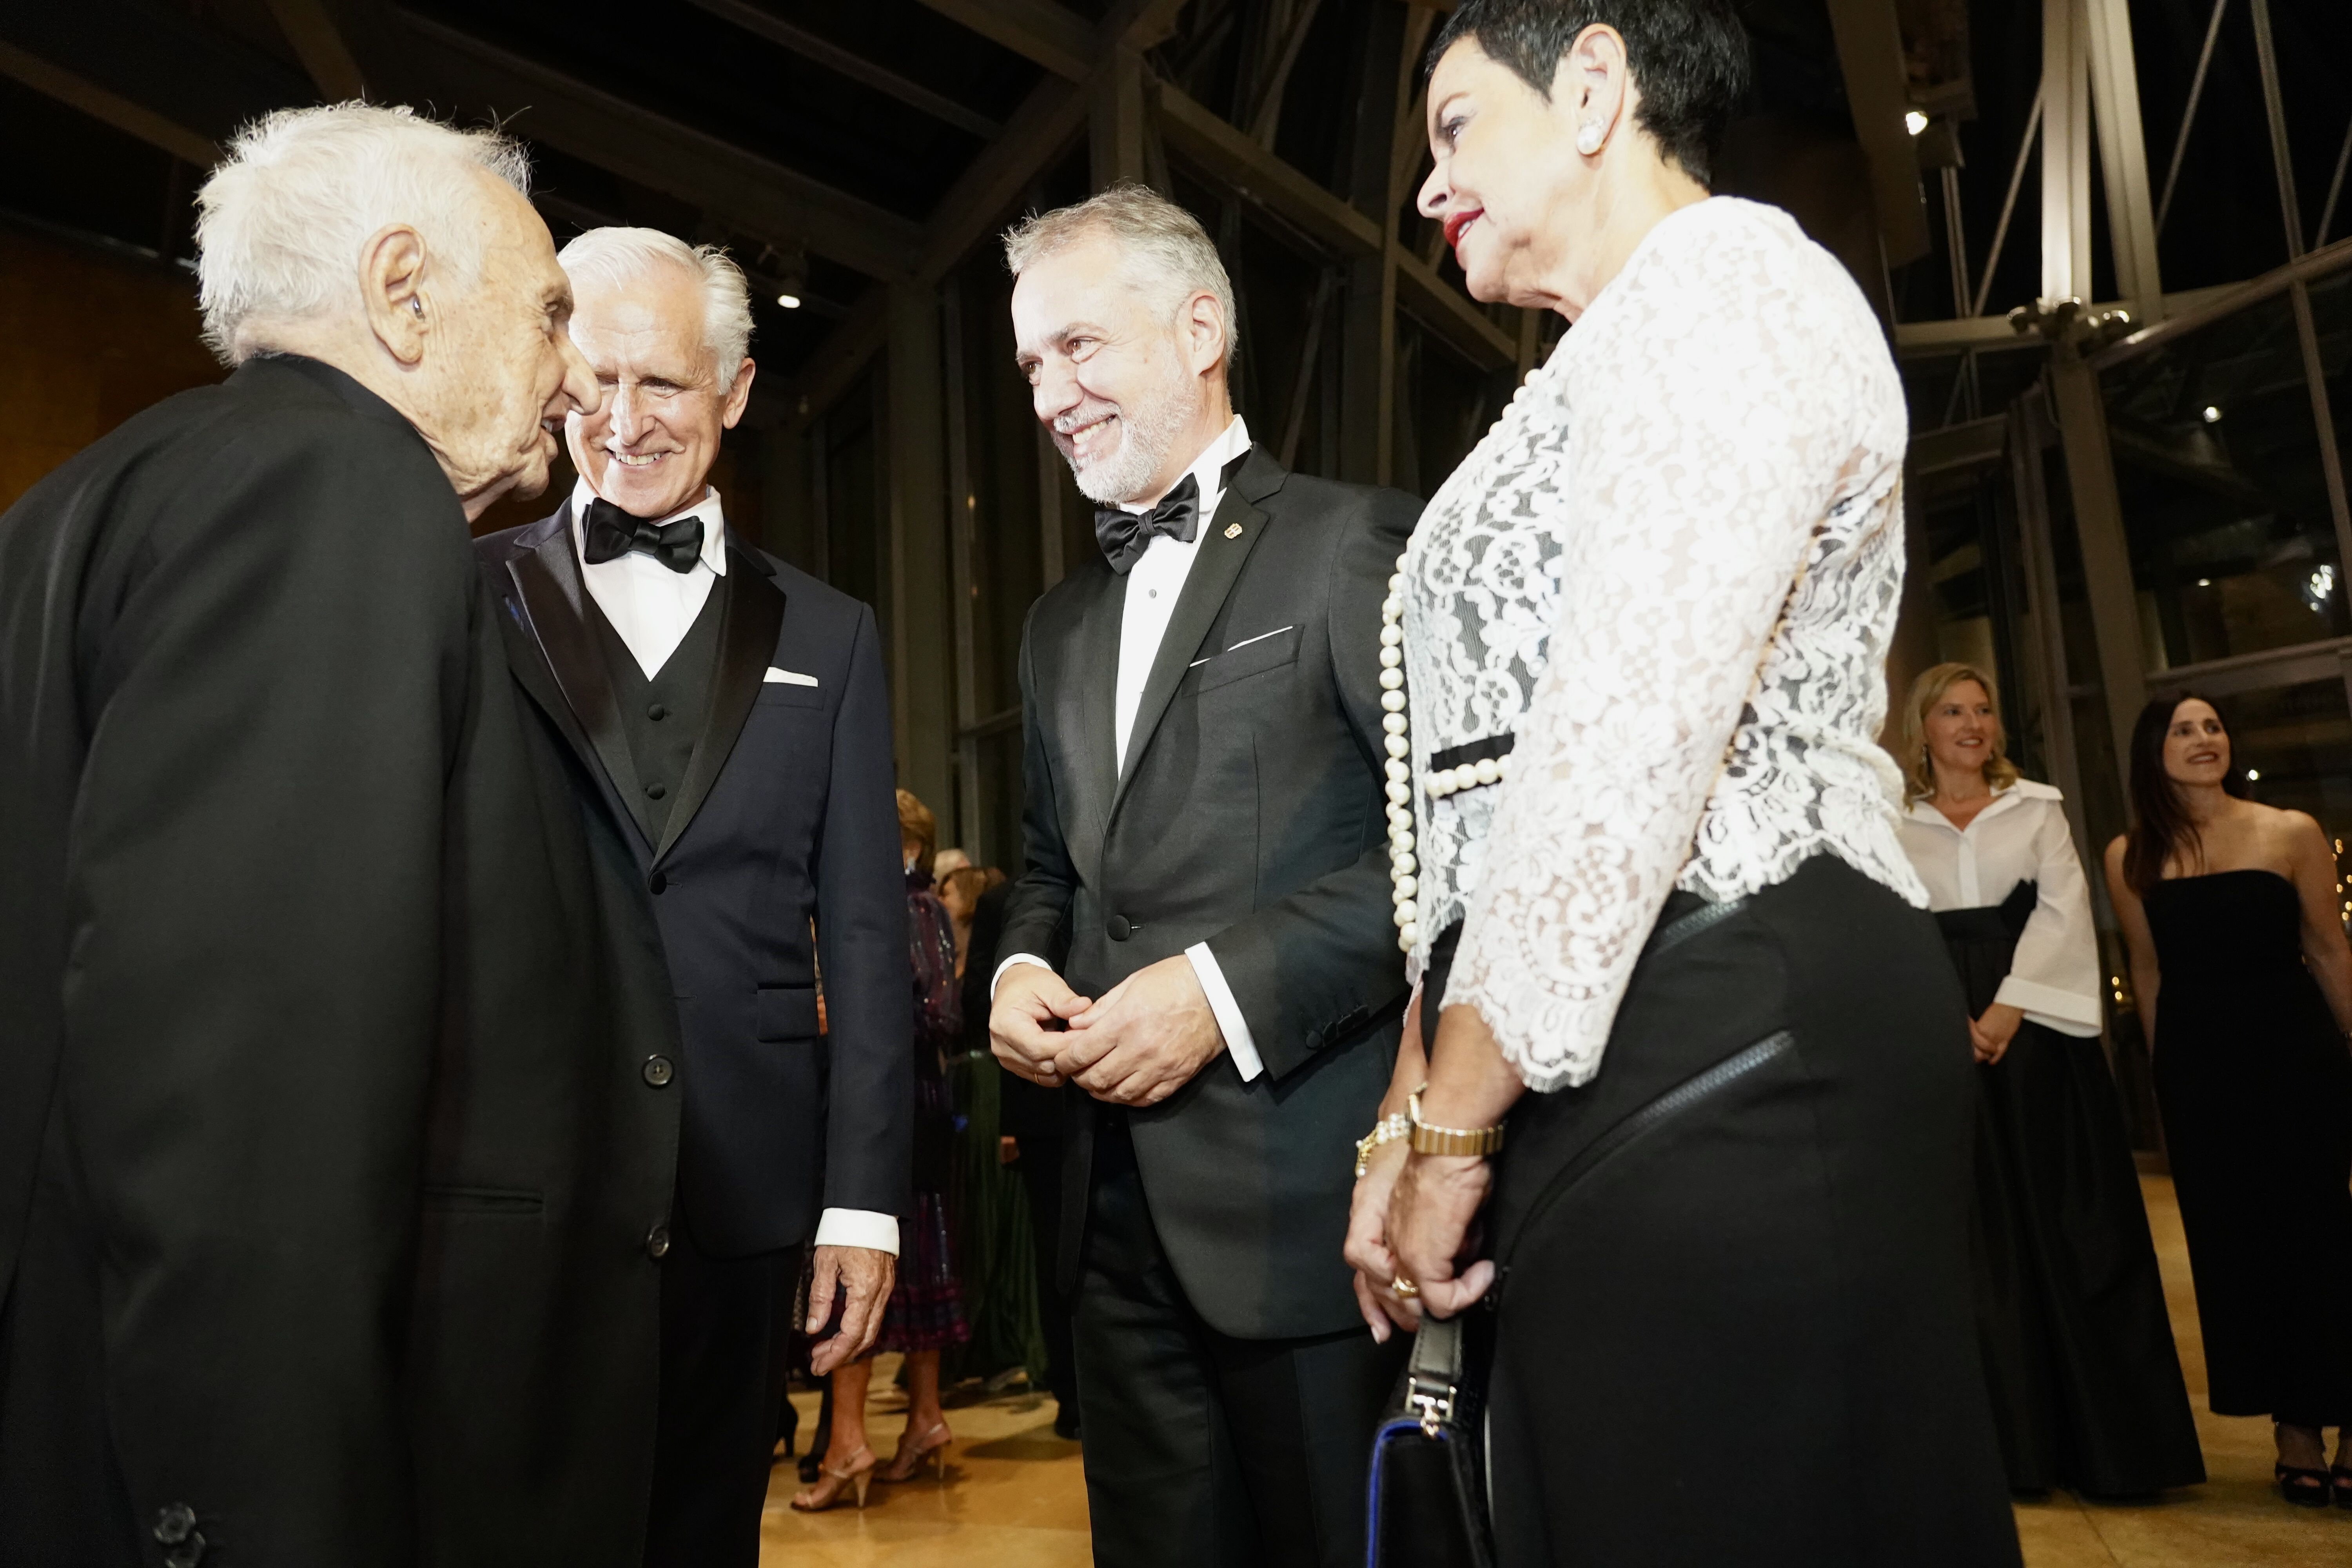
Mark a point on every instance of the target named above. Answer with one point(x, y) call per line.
point(1688, 57)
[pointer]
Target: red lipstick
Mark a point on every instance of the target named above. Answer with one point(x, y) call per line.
point(1456, 222)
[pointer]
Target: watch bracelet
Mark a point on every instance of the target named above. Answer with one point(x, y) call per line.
point(1430, 1139)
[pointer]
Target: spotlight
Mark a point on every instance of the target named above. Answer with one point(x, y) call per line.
point(1914, 122)
point(789, 301)
point(2212, 415)
point(2318, 586)
point(2253, 775)
point(2204, 581)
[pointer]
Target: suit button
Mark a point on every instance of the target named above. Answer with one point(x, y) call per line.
point(1120, 928)
point(657, 883)
point(173, 1523)
point(656, 713)
point(658, 1070)
point(655, 791)
point(657, 1241)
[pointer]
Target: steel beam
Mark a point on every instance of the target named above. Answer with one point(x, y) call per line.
point(78, 92)
point(2123, 155)
point(915, 498)
point(844, 62)
point(744, 190)
point(318, 42)
point(1230, 157)
point(2082, 419)
point(1870, 58)
point(1451, 314)
point(1114, 120)
point(1047, 121)
point(2065, 152)
point(1050, 35)
point(149, 70)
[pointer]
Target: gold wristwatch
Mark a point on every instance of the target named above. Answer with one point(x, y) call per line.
point(1429, 1140)
point(1387, 1130)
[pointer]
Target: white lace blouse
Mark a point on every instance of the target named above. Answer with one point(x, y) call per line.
point(1668, 575)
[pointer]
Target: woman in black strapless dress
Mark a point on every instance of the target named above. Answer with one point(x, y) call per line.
point(2239, 953)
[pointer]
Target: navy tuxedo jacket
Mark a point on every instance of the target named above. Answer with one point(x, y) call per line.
point(781, 855)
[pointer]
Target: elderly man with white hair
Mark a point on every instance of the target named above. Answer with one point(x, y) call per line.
point(331, 1155)
point(734, 714)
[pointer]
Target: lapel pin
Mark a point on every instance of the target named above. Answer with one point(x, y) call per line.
point(1232, 531)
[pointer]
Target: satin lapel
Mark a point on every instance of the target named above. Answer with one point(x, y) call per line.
point(556, 601)
point(750, 617)
point(1215, 572)
point(1089, 711)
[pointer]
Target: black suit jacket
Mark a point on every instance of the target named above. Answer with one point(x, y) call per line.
point(788, 815)
point(1251, 814)
point(327, 1164)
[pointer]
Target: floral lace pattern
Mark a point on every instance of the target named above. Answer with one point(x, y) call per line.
point(1703, 491)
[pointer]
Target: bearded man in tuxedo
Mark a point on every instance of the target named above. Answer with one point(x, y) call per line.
point(327, 1157)
point(733, 712)
point(1203, 943)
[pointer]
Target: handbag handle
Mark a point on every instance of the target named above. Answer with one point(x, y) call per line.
point(1434, 1373)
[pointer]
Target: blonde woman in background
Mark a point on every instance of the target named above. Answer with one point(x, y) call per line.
point(2087, 1388)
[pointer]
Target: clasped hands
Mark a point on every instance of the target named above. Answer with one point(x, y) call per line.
point(1138, 1044)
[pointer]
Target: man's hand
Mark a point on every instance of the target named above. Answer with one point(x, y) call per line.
point(1146, 1038)
point(863, 1277)
point(1024, 1022)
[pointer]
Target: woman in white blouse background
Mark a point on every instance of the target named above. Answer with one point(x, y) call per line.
point(2079, 1359)
point(1646, 863)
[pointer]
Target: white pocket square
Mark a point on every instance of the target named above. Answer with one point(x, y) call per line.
point(787, 677)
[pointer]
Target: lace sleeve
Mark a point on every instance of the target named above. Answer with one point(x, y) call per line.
point(1710, 424)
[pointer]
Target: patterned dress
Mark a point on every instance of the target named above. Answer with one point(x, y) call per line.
point(925, 1307)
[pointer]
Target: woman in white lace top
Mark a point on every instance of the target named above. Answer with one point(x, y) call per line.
point(1647, 864)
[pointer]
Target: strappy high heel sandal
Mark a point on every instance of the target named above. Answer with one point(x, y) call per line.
point(831, 1483)
point(2302, 1486)
point(913, 1452)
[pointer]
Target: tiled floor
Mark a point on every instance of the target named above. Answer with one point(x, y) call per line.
point(1015, 1497)
point(2236, 1518)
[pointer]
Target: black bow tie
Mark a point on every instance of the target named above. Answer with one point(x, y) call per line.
point(1126, 535)
point(613, 533)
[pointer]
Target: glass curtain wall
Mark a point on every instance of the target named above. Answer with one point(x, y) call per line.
point(2233, 520)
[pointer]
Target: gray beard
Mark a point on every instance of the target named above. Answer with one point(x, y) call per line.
point(1147, 430)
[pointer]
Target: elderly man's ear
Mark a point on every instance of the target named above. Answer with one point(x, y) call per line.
point(391, 289)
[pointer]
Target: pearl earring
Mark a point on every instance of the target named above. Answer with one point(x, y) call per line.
point(1588, 137)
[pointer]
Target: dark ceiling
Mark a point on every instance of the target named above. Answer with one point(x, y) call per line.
point(819, 140)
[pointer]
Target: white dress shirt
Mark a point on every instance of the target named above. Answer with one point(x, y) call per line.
point(653, 607)
point(2020, 837)
point(1153, 585)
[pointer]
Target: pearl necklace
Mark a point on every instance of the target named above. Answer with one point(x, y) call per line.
point(1402, 864)
point(1405, 883)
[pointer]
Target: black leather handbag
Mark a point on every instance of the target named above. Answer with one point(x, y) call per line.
point(1428, 1493)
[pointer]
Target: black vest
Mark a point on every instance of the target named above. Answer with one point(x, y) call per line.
point(664, 717)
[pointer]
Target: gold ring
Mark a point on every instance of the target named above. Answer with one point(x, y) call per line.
point(1405, 1289)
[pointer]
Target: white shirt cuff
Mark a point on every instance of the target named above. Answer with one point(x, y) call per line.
point(997, 979)
point(858, 1227)
point(2065, 1011)
point(1230, 1022)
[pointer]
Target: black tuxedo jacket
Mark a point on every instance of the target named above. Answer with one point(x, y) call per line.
point(788, 816)
point(326, 1162)
point(1251, 814)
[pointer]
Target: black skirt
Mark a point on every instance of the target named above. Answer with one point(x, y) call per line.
point(2079, 1359)
point(1733, 1323)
